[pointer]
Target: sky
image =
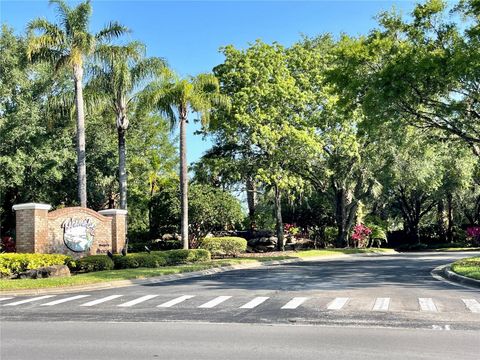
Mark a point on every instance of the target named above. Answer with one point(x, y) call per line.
point(188, 34)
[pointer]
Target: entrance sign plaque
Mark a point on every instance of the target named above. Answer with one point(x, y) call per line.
point(78, 234)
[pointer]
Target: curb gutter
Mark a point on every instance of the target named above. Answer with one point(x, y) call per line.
point(166, 278)
point(445, 273)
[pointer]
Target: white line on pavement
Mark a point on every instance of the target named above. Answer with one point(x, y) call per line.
point(29, 300)
point(255, 302)
point(138, 301)
point(51, 303)
point(426, 304)
point(381, 304)
point(7, 298)
point(102, 300)
point(472, 305)
point(214, 302)
point(337, 304)
point(175, 301)
point(295, 302)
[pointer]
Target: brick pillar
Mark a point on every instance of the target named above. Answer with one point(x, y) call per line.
point(119, 227)
point(31, 227)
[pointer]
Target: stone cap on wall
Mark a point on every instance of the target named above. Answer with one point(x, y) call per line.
point(31, 206)
point(113, 212)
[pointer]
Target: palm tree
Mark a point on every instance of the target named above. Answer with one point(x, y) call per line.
point(175, 99)
point(115, 81)
point(67, 45)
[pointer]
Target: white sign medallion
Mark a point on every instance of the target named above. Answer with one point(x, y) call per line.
point(78, 234)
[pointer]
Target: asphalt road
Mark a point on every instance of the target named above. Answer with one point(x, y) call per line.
point(367, 291)
point(171, 341)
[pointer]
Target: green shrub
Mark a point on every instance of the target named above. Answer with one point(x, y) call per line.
point(93, 263)
point(137, 260)
point(224, 246)
point(182, 256)
point(330, 235)
point(11, 263)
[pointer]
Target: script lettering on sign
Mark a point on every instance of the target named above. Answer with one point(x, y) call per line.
point(78, 234)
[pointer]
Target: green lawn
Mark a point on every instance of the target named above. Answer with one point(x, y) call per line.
point(469, 267)
point(142, 273)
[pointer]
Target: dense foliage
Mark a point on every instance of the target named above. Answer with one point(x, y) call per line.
point(224, 246)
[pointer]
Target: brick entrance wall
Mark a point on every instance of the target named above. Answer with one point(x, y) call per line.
point(40, 231)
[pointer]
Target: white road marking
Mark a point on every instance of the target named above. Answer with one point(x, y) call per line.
point(102, 300)
point(426, 304)
point(337, 304)
point(295, 302)
point(29, 300)
point(176, 301)
point(8, 298)
point(255, 302)
point(472, 305)
point(214, 302)
point(381, 304)
point(51, 303)
point(138, 301)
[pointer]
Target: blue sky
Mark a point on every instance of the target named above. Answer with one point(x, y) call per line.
point(189, 33)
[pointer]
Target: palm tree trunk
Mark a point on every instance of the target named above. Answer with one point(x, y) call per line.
point(183, 180)
point(122, 168)
point(81, 156)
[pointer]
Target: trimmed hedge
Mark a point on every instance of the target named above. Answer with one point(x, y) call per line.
point(160, 258)
point(182, 256)
point(224, 246)
point(92, 263)
point(137, 260)
point(12, 264)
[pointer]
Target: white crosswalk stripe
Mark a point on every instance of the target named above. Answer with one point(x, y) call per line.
point(7, 298)
point(381, 304)
point(295, 302)
point(29, 300)
point(472, 305)
point(337, 303)
point(102, 300)
point(427, 304)
point(61, 301)
point(138, 301)
point(212, 303)
point(255, 302)
point(175, 301)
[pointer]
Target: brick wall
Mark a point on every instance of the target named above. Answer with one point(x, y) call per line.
point(42, 232)
point(103, 231)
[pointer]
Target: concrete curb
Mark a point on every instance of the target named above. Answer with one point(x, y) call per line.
point(444, 273)
point(173, 277)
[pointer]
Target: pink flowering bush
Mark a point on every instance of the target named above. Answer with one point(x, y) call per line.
point(360, 235)
point(474, 233)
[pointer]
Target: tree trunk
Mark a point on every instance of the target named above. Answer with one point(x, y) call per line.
point(122, 168)
point(442, 220)
point(278, 217)
point(183, 178)
point(449, 218)
point(341, 218)
point(251, 201)
point(81, 156)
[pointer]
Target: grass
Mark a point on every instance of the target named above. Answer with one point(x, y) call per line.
point(469, 267)
point(142, 273)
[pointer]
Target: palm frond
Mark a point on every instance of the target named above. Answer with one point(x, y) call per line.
point(80, 17)
point(150, 67)
point(63, 14)
point(111, 31)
